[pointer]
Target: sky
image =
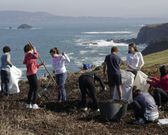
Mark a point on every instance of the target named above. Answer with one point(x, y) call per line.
point(103, 8)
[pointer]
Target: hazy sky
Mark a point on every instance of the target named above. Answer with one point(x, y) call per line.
point(109, 8)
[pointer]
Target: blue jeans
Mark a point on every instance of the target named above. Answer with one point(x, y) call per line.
point(5, 77)
point(60, 79)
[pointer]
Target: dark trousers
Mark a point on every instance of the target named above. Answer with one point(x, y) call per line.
point(5, 81)
point(138, 110)
point(33, 86)
point(87, 87)
point(134, 72)
point(160, 96)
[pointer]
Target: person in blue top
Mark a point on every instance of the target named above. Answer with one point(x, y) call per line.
point(144, 107)
point(5, 69)
point(112, 63)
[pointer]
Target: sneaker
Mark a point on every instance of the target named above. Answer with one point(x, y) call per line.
point(84, 109)
point(29, 106)
point(98, 110)
point(35, 106)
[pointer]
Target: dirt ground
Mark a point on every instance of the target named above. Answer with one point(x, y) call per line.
point(66, 119)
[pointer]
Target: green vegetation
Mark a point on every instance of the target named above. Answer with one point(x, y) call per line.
point(158, 58)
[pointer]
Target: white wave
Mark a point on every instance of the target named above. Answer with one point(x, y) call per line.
point(107, 32)
point(34, 28)
point(102, 43)
point(83, 52)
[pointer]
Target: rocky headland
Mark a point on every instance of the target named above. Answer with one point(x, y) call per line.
point(155, 36)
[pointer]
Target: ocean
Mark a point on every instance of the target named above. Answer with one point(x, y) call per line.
point(84, 42)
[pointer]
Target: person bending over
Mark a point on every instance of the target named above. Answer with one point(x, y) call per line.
point(87, 86)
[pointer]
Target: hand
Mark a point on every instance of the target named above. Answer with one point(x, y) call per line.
point(34, 48)
point(63, 53)
point(42, 63)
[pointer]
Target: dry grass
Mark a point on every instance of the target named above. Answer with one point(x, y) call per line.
point(59, 119)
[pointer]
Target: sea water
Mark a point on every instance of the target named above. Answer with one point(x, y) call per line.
point(83, 42)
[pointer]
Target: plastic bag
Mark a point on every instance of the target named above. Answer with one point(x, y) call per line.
point(14, 79)
point(127, 81)
point(141, 81)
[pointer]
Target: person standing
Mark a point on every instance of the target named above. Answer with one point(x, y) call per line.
point(58, 63)
point(134, 59)
point(5, 70)
point(30, 60)
point(112, 63)
point(87, 87)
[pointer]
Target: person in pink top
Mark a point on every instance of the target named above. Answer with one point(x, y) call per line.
point(160, 85)
point(30, 60)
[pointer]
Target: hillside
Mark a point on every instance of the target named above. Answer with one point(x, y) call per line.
point(158, 58)
point(57, 119)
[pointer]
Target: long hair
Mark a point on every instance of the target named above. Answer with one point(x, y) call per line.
point(54, 51)
point(133, 45)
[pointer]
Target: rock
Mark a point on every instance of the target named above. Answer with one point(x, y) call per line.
point(155, 47)
point(153, 33)
point(134, 40)
point(24, 26)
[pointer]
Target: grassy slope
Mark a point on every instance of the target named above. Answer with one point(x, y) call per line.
point(158, 58)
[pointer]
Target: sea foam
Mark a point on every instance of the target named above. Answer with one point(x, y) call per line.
point(107, 32)
point(101, 43)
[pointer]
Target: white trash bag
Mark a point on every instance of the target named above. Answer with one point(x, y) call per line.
point(127, 81)
point(141, 81)
point(15, 76)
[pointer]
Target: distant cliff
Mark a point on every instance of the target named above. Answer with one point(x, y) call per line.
point(152, 33)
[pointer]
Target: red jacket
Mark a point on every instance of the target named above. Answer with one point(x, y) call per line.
point(30, 60)
point(160, 83)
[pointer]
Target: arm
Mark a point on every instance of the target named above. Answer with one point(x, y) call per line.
point(35, 53)
point(154, 82)
point(66, 57)
point(104, 69)
point(100, 81)
point(105, 66)
point(8, 59)
point(128, 62)
point(141, 60)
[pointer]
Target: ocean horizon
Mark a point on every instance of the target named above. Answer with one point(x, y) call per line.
point(83, 42)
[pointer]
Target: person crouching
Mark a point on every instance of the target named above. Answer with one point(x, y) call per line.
point(144, 107)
